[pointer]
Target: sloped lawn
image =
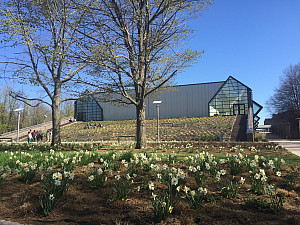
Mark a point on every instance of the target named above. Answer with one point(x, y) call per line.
point(198, 128)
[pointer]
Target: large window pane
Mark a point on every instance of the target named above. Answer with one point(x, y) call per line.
point(231, 93)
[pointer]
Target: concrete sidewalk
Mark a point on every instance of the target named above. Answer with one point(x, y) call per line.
point(292, 146)
point(24, 131)
point(3, 222)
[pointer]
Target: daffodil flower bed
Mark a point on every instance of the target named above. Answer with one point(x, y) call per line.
point(199, 128)
point(146, 186)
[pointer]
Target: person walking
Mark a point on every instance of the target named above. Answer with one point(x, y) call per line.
point(33, 135)
point(42, 135)
point(29, 137)
point(38, 136)
point(48, 136)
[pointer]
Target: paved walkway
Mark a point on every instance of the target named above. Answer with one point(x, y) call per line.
point(24, 131)
point(292, 146)
point(3, 222)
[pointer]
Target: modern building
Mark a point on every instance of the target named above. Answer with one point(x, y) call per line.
point(230, 97)
point(285, 124)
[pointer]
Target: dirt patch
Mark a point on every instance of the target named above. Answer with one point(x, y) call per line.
point(19, 202)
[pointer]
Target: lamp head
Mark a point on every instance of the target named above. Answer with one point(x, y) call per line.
point(18, 110)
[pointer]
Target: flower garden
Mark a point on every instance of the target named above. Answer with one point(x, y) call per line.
point(169, 182)
point(197, 128)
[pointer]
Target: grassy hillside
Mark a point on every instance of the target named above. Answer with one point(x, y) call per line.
point(181, 129)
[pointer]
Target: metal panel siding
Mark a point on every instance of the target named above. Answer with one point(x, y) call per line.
point(116, 112)
point(185, 101)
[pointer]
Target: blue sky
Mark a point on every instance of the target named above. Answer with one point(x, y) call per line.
point(253, 41)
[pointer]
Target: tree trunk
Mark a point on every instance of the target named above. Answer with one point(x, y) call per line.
point(56, 116)
point(140, 126)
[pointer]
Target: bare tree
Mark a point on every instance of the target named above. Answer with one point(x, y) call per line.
point(44, 36)
point(287, 95)
point(29, 116)
point(7, 106)
point(136, 47)
point(67, 109)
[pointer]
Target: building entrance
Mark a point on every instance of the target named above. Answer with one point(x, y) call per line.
point(81, 116)
point(238, 109)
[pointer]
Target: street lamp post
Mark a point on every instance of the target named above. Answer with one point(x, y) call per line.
point(157, 112)
point(19, 112)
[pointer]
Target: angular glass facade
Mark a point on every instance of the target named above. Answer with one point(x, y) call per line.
point(256, 109)
point(87, 109)
point(231, 99)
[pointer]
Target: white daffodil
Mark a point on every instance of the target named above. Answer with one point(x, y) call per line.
point(151, 186)
point(153, 196)
point(91, 178)
point(174, 181)
point(186, 189)
point(51, 197)
point(57, 182)
point(278, 173)
point(223, 172)
point(99, 171)
point(242, 180)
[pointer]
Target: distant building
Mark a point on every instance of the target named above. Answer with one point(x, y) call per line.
point(230, 97)
point(268, 121)
point(286, 124)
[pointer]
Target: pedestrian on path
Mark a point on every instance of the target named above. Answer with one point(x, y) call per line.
point(42, 135)
point(29, 137)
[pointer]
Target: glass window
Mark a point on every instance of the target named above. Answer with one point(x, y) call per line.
point(256, 108)
point(231, 99)
point(87, 109)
